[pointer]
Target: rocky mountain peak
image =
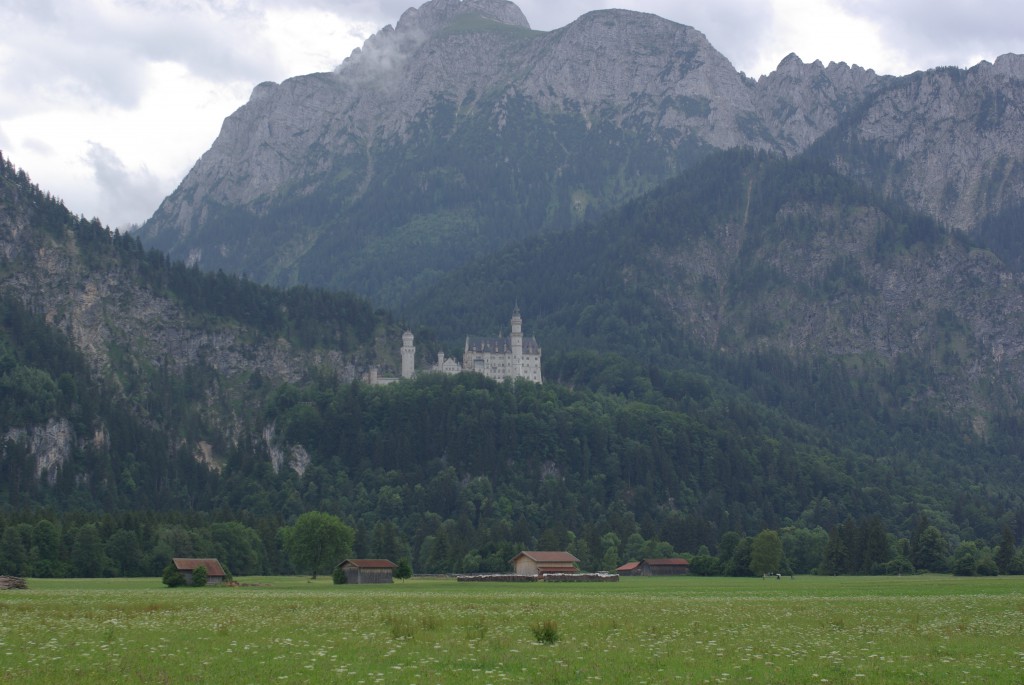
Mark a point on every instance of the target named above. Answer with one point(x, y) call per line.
point(386, 51)
point(437, 13)
point(806, 99)
point(792, 63)
point(1009, 65)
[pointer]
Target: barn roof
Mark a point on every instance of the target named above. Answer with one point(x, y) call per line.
point(213, 567)
point(548, 557)
point(666, 562)
point(369, 563)
point(629, 566)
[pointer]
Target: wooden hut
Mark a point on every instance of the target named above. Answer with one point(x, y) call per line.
point(215, 574)
point(540, 563)
point(629, 569)
point(368, 571)
point(663, 567)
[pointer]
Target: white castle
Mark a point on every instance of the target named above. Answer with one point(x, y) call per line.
point(514, 356)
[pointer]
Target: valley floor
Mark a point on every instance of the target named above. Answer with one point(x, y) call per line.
point(916, 629)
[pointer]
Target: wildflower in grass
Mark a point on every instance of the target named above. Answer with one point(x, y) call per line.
point(546, 632)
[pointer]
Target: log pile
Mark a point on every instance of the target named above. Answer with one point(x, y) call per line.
point(12, 583)
point(496, 578)
point(581, 578)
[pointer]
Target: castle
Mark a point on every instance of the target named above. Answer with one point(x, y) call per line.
point(514, 356)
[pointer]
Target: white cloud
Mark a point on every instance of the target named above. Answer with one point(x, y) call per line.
point(123, 192)
point(310, 40)
point(99, 92)
point(820, 31)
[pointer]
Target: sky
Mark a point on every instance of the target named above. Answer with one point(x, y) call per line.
point(108, 103)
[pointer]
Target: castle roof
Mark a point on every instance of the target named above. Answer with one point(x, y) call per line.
point(476, 343)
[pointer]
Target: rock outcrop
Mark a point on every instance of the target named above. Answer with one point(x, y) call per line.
point(948, 142)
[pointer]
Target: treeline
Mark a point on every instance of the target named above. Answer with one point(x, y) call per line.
point(47, 545)
point(459, 473)
point(859, 547)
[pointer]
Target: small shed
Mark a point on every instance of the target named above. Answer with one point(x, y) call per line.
point(368, 571)
point(629, 569)
point(215, 574)
point(663, 567)
point(540, 563)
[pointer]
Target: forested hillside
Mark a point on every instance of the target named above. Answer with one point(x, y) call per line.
point(769, 271)
point(126, 378)
point(158, 409)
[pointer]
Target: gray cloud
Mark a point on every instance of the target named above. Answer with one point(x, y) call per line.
point(78, 54)
point(125, 196)
point(42, 10)
point(945, 33)
point(39, 146)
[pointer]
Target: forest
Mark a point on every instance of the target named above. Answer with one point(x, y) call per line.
point(460, 473)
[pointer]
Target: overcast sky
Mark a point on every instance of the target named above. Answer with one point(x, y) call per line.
point(108, 103)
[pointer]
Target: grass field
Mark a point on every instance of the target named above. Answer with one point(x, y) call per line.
point(917, 629)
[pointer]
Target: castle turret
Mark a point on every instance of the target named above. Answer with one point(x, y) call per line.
point(516, 341)
point(408, 355)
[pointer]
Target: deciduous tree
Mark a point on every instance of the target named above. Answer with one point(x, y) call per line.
point(318, 540)
point(766, 553)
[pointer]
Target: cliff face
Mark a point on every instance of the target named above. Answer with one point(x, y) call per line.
point(847, 283)
point(799, 102)
point(947, 142)
point(107, 308)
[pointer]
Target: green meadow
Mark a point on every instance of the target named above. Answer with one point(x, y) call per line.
point(915, 629)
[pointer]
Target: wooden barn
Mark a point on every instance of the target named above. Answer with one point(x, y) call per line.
point(368, 571)
point(541, 563)
point(215, 574)
point(631, 568)
point(663, 567)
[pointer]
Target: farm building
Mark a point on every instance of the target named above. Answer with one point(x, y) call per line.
point(215, 574)
point(631, 568)
point(368, 571)
point(540, 563)
point(663, 567)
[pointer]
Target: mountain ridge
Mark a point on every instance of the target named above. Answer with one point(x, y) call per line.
point(570, 122)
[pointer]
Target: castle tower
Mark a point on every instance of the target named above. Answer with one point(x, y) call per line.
point(517, 343)
point(408, 355)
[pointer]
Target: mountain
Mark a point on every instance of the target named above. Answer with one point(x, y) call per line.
point(116, 362)
point(461, 130)
point(747, 257)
